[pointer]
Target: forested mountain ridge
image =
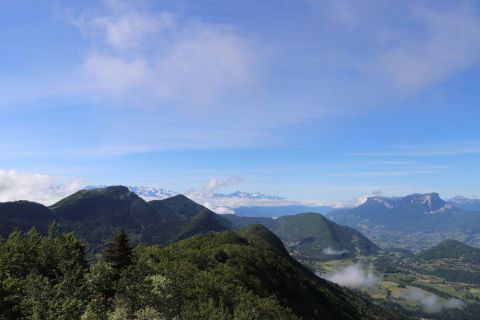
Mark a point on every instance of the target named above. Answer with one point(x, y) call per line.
point(451, 249)
point(95, 215)
point(219, 275)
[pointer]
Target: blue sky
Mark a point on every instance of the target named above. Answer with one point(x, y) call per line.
point(314, 99)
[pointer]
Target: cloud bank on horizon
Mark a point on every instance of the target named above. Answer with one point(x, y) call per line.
point(47, 190)
point(35, 187)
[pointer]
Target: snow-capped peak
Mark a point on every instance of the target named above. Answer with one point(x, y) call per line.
point(152, 192)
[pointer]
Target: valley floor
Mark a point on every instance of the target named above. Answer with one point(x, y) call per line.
point(445, 289)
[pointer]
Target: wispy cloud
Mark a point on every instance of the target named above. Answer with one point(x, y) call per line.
point(431, 302)
point(371, 174)
point(451, 148)
point(332, 252)
point(152, 56)
point(186, 79)
point(216, 183)
point(128, 29)
point(445, 42)
point(411, 45)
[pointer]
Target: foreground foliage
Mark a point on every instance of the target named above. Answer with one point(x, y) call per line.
point(227, 275)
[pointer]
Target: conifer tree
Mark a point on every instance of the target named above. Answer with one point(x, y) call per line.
point(119, 253)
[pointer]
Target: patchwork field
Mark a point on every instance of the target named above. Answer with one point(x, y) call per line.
point(444, 289)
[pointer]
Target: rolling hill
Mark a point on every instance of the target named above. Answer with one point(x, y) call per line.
point(451, 249)
point(310, 235)
point(279, 210)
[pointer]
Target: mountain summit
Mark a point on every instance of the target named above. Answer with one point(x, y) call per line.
point(428, 203)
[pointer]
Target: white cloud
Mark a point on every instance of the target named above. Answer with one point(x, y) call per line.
point(34, 187)
point(159, 55)
point(364, 197)
point(446, 42)
point(204, 63)
point(216, 183)
point(402, 47)
point(354, 276)
point(114, 75)
point(449, 148)
point(332, 252)
point(431, 302)
point(227, 204)
point(129, 30)
point(209, 85)
point(218, 209)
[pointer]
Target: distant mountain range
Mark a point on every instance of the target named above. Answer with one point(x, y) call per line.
point(257, 204)
point(415, 222)
point(152, 192)
point(465, 203)
point(254, 204)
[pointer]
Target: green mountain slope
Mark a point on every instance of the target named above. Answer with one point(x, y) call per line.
point(310, 235)
point(254, 260)
point(182, 219)
point(95, 215)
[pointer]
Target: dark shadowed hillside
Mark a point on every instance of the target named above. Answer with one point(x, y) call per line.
point(24, 215)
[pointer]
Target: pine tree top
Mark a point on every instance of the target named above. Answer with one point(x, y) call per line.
point(119, 253)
